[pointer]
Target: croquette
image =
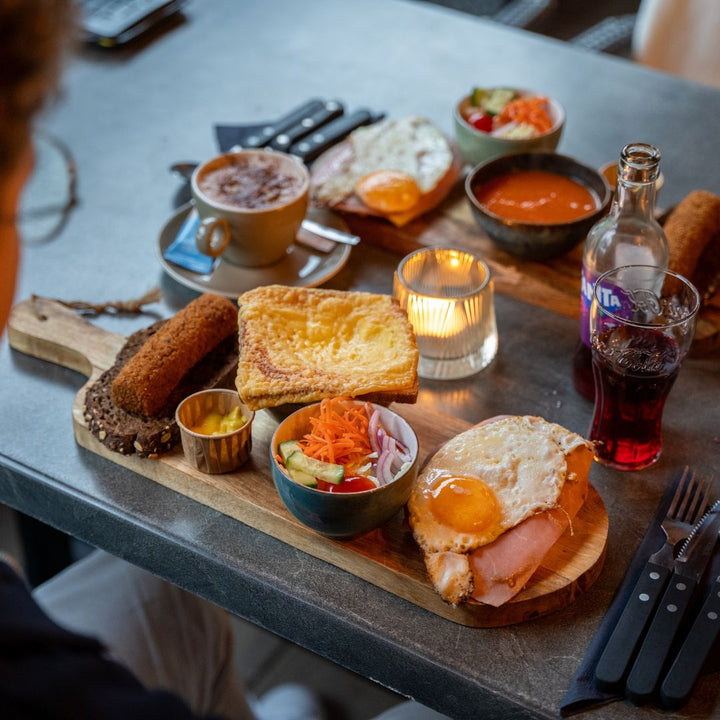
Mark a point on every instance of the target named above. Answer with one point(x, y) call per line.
point(691, 227)
point(146, 382)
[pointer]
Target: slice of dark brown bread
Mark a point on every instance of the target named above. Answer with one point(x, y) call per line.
point(146, 436)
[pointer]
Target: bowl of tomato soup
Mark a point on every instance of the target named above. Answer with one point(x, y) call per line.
point(536, 205)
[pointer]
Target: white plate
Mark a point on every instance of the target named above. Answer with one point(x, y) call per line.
point(301, 266)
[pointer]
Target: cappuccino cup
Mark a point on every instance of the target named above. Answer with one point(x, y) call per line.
point(251, 204)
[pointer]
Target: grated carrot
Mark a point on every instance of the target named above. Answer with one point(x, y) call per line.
point(532, 111)
point(339, 434)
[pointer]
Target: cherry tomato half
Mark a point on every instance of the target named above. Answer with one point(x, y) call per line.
point(480, 121)
point(352, 483)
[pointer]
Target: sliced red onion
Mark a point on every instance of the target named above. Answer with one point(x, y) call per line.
point(393, 457)
point(384, 473)
point(387, 455)
point(401, 470)
point(373, 426)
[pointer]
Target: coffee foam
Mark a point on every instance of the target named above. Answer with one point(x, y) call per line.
point(254, 182)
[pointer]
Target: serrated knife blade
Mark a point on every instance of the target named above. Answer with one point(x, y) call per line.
point(697, 548)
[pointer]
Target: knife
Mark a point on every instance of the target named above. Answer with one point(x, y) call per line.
point(689, 567)
point(330, 110)
point(685, 670)
point(311, 146)
point(616, 660)
point(295, 117)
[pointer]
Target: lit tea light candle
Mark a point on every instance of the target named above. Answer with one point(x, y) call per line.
point(448, 296)
point(435, 317)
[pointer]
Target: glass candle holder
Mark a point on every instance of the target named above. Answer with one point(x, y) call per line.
point(448, 297)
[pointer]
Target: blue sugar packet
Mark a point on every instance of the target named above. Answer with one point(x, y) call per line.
point(184, 252)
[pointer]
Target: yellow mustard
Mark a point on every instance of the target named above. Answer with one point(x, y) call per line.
point(215, 423)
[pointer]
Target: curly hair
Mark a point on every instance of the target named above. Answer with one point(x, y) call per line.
point(35, 35)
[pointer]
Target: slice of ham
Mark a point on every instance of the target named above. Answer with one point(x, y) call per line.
point(500, 570)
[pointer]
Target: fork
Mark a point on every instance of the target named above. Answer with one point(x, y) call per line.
point(686, 508)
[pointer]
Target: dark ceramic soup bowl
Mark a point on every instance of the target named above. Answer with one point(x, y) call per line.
point(537, 240)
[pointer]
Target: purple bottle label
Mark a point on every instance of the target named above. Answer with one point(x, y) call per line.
point(614, 299)
point(587, 284)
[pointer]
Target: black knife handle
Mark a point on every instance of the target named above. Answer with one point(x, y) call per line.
point(615, 661)
point(645, 674)
point(311, 146)
point(266, 133)
point(330, 110)
point(685, 670)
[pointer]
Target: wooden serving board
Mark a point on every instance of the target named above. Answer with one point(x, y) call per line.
point(387, 557)
point(553, 284)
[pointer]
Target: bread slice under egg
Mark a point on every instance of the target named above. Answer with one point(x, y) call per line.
point(493, 573)
point(411, 145)
point(300, 345)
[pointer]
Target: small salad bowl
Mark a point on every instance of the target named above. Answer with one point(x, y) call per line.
point(347, 514)
point(477, 146)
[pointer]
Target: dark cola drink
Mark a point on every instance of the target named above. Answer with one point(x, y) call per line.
point(634, 369)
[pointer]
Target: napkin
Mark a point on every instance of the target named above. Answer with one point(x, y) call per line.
point(183, 250)
point(583, 694)
point(230, 135)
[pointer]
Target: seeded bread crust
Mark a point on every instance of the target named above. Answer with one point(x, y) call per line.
point(130, 433)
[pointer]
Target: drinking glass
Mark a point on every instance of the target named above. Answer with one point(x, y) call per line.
point(642, 322)
point(448, 296)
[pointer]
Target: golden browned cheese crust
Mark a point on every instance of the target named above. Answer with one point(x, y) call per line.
point(147, 380)
point(300, 345)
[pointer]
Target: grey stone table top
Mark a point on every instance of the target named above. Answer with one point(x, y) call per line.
point(128, 115)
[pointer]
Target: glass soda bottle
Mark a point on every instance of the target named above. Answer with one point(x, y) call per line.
point(627, 235)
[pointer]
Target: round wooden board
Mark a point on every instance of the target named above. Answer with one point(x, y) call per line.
point(571, 567)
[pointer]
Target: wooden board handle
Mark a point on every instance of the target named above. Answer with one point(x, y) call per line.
point(48, 330)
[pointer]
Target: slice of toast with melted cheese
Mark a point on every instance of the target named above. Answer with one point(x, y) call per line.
point(299, 345)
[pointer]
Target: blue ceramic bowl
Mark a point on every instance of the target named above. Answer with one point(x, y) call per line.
point(536, 241)
point(343, 515)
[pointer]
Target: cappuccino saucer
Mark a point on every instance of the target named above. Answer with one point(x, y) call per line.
point(301, 266)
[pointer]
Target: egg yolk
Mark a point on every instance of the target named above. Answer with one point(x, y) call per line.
point(388, 191)
point(465, 504)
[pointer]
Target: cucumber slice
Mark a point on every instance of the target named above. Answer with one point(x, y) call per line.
point(498, 99)
point(477, 96)
point(287, 448)
point(328, 472)
point(303, 478)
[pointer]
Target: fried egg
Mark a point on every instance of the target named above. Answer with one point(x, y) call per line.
point(487, 480)
point(388, 191)
point(411, 145)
